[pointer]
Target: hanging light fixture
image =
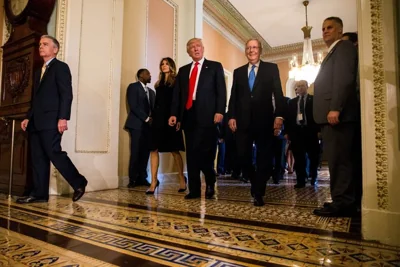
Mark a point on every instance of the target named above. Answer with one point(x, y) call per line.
point(308, 69)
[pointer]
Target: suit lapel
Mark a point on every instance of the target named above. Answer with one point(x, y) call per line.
point(260, 67)
point(46, 71)
point(329, 54)
point(244, 73)
point(204, 69)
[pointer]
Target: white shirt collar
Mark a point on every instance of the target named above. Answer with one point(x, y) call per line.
point(333, 45)
point(144, 86)
point(201, 61)
point(257, 64)
point(48, 61)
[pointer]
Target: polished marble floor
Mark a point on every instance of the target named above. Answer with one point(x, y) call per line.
point(125, 227)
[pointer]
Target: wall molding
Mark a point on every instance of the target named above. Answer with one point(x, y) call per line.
point(175, 7)
point(380, 104)
point(61, 26)
point(221, 30)
point(110, 79)
point(227, 20)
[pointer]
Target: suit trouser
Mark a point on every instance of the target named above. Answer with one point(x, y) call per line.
point(305, 143)
point(140, 153)
point(263, 140)
point(200, 151)
point(342, 145)
point(278, 159)
point(46, 148)
point(231, 157)
point(200, 155)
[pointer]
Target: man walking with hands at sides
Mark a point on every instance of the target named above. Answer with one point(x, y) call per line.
point(337, 110)
point(46, 122)
point(255, 116)
point(199, 103)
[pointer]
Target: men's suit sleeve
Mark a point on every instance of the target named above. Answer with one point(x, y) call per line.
point(132, 94)
point(64, 86)
point(344, 75)
point(232, 99)
point(280, 106)
point(221, 90)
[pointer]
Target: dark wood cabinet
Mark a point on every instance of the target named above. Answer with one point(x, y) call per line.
point(21, 58)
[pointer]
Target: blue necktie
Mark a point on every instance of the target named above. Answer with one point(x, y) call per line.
point(252, 77)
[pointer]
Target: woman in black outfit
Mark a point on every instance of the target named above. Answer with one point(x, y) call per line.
point(165, 138)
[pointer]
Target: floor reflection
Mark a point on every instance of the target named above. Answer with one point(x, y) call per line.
point(125, 227)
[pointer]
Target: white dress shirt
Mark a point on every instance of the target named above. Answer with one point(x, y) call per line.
point(333, 45)
point(298, 109)
point(255, 69)
point(201, 61)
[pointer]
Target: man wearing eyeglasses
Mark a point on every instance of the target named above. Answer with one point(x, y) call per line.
point(255, 117)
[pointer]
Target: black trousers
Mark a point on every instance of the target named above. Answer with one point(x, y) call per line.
point(263, 139)
point(342, 145)
point(278, 158)
point(140, 153)
point(305, 144)
point(231, 157)
point(46, 148)
point(200, 151)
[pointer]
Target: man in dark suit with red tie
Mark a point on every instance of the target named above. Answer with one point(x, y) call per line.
point(140, 102)
point(46, 122)
point(252, 116)
point(199, 103)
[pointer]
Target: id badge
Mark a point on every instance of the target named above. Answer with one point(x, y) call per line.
point(300, 116)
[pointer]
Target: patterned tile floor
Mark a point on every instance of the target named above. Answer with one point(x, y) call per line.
point(125, 227)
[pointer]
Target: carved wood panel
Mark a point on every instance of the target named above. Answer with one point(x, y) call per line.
point(21, 165)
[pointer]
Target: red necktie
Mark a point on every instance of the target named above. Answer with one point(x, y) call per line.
point(192, 83)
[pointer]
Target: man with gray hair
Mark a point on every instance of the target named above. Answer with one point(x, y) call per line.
point(47, 121)
point(255, 117)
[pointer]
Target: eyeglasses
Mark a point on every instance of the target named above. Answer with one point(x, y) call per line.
point(252, 47)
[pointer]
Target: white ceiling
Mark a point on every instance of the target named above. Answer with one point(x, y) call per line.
point(280, 21)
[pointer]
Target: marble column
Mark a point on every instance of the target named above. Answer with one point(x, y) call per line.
point(380, 98)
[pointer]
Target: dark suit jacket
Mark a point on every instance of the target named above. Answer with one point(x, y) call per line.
point(335, 88)
point(52, 96)
point(139, 106)
point(290, 122)
point(210, 94)
point(255, 107)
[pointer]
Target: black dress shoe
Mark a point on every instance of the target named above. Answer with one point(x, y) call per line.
point(331, 211)
point(314, 181)
point(78, 193)
point(137, 183)
point(131, 185)
point(192, 196)
point(210, 191)
point(244, 179)
point(258, 201)
point(327, 204)
point(299, 185)
point(30, 199)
